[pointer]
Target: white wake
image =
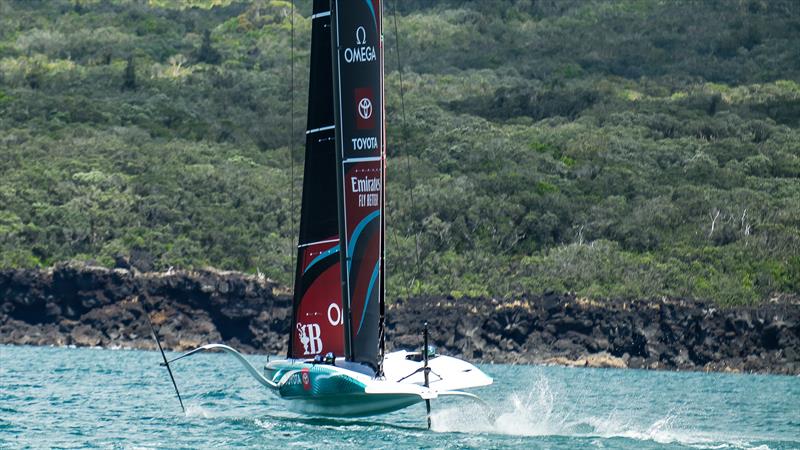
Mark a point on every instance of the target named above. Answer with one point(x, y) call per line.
point(539, 413)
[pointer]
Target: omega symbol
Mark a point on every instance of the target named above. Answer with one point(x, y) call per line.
point(361, 36)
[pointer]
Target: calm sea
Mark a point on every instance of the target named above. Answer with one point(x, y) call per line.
point(93, 398)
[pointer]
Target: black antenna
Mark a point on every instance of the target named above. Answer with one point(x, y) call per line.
point(163, 355)
point(426, 370)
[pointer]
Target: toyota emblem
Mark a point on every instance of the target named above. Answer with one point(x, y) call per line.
point(365, 108)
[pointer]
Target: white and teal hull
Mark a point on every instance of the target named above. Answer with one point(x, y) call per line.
point(340, 391)
point(350, 390)
point(332, 391)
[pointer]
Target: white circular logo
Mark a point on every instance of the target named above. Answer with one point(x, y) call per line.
point(365, 108)
point(333, 309)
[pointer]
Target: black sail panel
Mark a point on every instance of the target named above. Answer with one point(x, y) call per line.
point(318, 315)
point(319, 179)
point(358, 99)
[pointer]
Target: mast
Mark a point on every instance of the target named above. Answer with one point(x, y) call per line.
point(356, 37)
point(382, 292)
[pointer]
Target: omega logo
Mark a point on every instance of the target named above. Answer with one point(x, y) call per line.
point(361, 36)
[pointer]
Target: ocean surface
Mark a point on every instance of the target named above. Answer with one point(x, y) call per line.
point(94, 398)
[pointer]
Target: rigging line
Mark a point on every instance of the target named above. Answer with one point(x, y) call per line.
point(408, 157)
point(292, 247)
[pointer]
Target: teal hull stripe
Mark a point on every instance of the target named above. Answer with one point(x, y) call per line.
point(322, 256)
point(359, 228)
point(374, 277)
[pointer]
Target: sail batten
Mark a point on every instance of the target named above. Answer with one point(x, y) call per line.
point(317, 130)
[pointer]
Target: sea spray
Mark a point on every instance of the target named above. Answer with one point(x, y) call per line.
point(193, 410)
point(543, 410)
point(531, 413)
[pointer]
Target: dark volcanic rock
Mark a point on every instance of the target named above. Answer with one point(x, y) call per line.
point(75, 304)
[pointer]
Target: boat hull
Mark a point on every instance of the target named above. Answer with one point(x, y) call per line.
point(353, 405)
point(325, 390)
point(328, 390)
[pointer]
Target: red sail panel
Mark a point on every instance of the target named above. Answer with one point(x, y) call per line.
point(358, 93)
point(318, 319)
point(362, 194)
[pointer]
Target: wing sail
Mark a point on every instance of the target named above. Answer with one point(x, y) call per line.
point(318, 316)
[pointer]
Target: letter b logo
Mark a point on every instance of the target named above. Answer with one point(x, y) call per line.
point(312, 335)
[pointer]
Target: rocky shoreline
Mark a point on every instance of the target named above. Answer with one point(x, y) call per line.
point(81, 305)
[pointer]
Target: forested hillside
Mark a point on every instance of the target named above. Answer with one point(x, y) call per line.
point(625, 148)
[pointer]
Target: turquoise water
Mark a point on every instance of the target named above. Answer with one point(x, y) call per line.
point(92, 398)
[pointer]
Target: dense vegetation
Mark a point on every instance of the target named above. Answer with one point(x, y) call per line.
point(633, 148)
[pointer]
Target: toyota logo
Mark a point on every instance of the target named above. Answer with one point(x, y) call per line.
point(365, 108)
